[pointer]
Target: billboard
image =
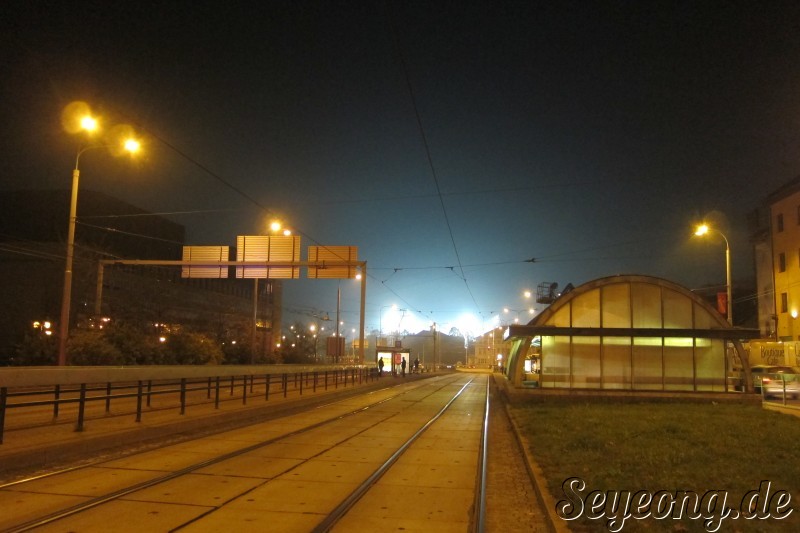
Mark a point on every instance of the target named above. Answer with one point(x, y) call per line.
point(333, 254)
point(265, 248)
point(212, 254)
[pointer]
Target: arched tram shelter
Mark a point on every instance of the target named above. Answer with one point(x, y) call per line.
point(629, 332)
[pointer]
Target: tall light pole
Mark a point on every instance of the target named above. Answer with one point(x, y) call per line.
point(88, 124)
point(703, 229)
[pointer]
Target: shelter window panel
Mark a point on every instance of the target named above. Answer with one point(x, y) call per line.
point(646, 305)
point(586, 310)
point(555, 361)
point(616, 305)
point(561, 318)
point(678, 363)
point(586, 362)
point(677, 310)
point(702, 318)
point(710, 364)
point(616, 363)
point(648, 363)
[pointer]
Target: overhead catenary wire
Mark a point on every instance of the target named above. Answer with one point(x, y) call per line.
point(429, 157)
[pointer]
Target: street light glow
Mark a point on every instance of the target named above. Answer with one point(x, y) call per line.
point(704, 229)
point(89, 123)
point(77, 117)
point(132, 145)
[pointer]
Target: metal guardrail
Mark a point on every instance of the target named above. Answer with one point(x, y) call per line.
point(144, 390)
point(780, 385)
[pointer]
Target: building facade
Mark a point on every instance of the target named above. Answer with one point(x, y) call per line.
point(783, 206)
point(33, 227)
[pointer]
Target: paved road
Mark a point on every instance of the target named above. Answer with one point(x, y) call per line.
point(429, 489)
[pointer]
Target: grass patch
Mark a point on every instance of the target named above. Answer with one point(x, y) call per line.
point(657, 446)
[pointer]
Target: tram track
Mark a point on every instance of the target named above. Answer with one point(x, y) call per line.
point(338, 425)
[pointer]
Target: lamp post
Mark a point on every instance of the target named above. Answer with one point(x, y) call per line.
point(507, 310)
point(88, 124)
point(703, 229)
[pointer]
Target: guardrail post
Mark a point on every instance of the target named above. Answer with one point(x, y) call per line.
point(315, 381)
point(783, 380)
point(108, 397)
point(266, 392)
point(252, 380)
point(285, 384)
point(139, 401)
point(183, 396)
point(81, 408)
point(232, 380)
point(208, 390)
point(149, 391)
point(56, 403)
point(326, 380)
point(301, 383)
point(216, 394)
point(3, 397)
point(335, 379)
point(244, 390)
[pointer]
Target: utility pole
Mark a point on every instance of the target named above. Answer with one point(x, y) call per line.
point(435, 352)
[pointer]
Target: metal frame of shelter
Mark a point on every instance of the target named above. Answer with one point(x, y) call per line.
point(362, 265)
point(521, 335)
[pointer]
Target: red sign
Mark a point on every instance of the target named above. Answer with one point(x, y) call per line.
point(722, 303)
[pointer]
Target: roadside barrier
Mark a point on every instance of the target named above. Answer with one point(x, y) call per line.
point(42, 400)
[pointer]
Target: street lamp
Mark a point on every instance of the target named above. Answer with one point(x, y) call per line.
point(88, 124)
point(702, 230)
point(530, 311)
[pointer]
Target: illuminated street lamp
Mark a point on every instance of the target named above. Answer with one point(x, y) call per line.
point(88, 124)
point(276, 227)
point(530, 310)
point(526, 293)
point(702, 230)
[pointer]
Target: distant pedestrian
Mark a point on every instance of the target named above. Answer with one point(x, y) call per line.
point(380, 366)
point(416, 365)
point(403, 367)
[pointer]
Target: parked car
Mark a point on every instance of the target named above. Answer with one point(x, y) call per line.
point(774, 379)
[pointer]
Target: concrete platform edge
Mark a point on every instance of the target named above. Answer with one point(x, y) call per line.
point(546, 500)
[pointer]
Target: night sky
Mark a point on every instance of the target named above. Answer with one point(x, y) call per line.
point(452, 142)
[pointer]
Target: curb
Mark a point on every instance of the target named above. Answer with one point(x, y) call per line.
point(546, 500)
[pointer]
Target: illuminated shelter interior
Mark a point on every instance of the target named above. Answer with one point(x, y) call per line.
point(628, 333)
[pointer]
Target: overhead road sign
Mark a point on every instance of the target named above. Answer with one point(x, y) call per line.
point(332, 254)
point(201, 254)
point(268, 248)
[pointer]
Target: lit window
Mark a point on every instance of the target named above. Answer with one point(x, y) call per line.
point(784, 302)
point(781, 262)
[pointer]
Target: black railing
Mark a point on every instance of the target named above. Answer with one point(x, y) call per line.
point(144, 391)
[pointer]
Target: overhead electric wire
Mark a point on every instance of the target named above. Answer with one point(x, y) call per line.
point(428, 155)
point(139, 235)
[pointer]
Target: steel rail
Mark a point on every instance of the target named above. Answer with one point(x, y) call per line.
point(335, 515)
point(99, 500)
